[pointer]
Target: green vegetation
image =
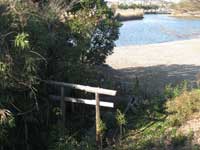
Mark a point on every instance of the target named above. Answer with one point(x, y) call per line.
point(156, 124)
point(48, 40)
point(65, 41)
point(121, 121)
point(137, 6)
point(124, 15)
point(183, 106)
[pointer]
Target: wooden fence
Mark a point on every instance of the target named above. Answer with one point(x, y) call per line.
point(97, 91)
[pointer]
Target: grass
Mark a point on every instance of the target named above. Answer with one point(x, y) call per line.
point(155, 126)
point(182, 107)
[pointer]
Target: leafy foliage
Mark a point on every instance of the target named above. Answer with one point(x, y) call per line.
point(157, 125)
point(47, 40)
point(102, 127)
point(138, 6)
point(120, 117)
point(63, 141)
point(183, 106)
point(21, 41)
point(172, 92)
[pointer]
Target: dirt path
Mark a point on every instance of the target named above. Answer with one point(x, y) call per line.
point(158, 64)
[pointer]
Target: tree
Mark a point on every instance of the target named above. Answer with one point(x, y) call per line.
point(47, 40)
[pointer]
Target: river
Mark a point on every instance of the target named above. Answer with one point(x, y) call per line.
point(157, 29)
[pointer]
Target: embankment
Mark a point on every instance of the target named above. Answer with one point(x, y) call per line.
point(129, 14)
point(188, 14)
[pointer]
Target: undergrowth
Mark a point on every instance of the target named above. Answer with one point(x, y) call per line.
point(155, 124)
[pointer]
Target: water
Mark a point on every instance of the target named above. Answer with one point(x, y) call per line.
point(158, 29)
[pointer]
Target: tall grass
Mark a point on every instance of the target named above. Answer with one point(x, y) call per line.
point(129, 14)
point(155, 129)
point(182, 107)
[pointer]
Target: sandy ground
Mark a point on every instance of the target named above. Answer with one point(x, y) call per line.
point(157, 65)
point(179, 53)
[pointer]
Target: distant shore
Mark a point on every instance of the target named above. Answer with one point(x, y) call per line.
point(192, 14)
point(185, 16)
point(135, 14)
point(129, 14)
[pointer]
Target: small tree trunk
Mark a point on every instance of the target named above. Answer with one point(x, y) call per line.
point(97, 120)
point(101, 142)
point(26, 135)
point(120, 136)
point(62, 106)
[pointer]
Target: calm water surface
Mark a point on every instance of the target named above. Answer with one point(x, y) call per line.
point(158, 29)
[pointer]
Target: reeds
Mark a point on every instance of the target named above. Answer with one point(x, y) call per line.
point(129, 14)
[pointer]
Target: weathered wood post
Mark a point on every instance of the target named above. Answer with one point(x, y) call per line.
point(98, 140)
point(62, 106)
point(26, 134)
point(96, 90)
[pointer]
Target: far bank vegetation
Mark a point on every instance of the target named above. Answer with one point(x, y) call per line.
point(187, 8)
point(129, 14)
point(126, 12)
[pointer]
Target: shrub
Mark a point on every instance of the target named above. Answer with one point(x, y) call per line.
point(62, 140)
point(172, 92)
point(121, 121)
point(181, 107)
point(38, 42)
point(179, 140)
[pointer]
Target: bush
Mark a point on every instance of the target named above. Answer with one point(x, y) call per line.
point(49, 40)
point(181, 107)
point(172, 92)
point(65, 141)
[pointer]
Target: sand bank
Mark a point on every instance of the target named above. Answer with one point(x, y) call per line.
point(156, 65)
point(179, 52)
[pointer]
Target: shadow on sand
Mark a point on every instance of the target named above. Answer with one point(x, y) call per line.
point(153, 79)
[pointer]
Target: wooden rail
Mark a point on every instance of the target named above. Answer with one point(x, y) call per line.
point(83, 101)
point(84, 88)
point(97, 91)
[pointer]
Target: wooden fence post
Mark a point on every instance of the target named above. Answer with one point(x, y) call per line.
point(97, 101)
point(62, 106)
point(98, 140)
point(26, 134)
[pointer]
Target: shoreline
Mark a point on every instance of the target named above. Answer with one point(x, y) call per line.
point(156, 65)
point(185, 16)
point(188, 14)
point(167, 42)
